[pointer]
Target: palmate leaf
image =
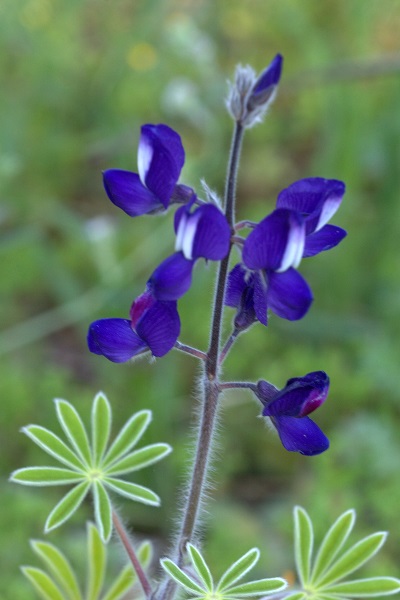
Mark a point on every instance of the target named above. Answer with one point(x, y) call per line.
point(129, 435)
point(364, 588)
point(139, 459)
point(354, 558)
point(101, 426)
point(67, 506)
point(200, 567)
point(42, 583)
point(238, 569)
point(53, 445)
point(332, 543)
point(59, 567)
point(296, 596)
point(96, 562)
point(303, 543)
point(74, 429)
point(102, 511)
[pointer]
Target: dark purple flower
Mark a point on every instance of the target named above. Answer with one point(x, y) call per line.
point(267, 278)
point(160, 160)
point(203, 233)
point(153, 326)
point(288, 410)
point(265, 86)
point(317, 199)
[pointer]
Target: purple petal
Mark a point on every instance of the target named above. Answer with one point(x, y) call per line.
point(276, 243)
point(300, 396)
point(204, 233)
point(301, 435)
point(236, 286)
point(126, 191)
point(270, 76)
point(160, 160)
point(160, 327)
point(326, 238)
point(172, 278)
point(288, 295)
point(316, 198)
point(114, 339)
point(260, 297)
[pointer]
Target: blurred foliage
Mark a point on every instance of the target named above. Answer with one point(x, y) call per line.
point(79, 78)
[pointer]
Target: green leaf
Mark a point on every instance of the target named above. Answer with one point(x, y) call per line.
point(128, 436)
point(101, 425)
point(127, 576)
point(145, 553)
point(303, 543)
point(53, 445)
point(297, 596)
point(201, 567)
point(332, 543)
point(354, 558)
point(133, 491)
point(364, 588)
point(238, 569)
point(96, 562)
point(180, 577)
point(45, 476)
point(256, 588)
point(103, 511)
point(67, 506)
point(74, 429)
point(59, 567)
point(42, 583)
point(139, 459)
point(121, 585)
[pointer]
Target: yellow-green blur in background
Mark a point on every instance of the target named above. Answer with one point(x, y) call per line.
point(78, 78)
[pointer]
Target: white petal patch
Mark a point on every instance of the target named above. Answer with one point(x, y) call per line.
point(185, 235)
point(145, 155)
point(294, 248)
point(328, 210)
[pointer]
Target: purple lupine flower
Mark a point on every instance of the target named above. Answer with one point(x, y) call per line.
point(153, 326)
point(267, 278)
point(264, 88)
point(160, 160)
point(203, 233)
point(289, 407)
point(269, 249)
point(317, 199)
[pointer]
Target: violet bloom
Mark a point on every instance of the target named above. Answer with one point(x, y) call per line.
point(160, 160)
point(153, 326)
point(264, 89)
point(267, 278)
point(288, 410)
point(203, 233)
point(317, 199)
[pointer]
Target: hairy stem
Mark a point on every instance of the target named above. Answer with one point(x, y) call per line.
point(123, 535)
point(210, 385)
point(189, 350)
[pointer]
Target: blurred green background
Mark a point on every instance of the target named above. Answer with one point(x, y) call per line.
point(79, 77)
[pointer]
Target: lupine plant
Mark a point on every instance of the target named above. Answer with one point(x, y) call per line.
point(257, 275)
